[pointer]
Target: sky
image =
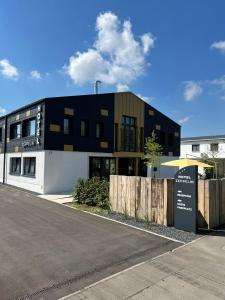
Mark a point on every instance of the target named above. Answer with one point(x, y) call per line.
point(170, 53)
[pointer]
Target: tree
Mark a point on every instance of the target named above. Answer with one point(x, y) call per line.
point(153, 151)
point(211, 157)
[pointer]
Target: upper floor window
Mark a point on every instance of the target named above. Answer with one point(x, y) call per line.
point(84, 128)
point(15, 131)
point(170, 139)
point(99, 130)
point(128, 134)
point(67, 125)
point(214, 147)
point(196, 148)
point(1, 134)
point(29, 127)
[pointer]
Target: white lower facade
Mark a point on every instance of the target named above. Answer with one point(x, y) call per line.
point(163, 171)
point(56, 171)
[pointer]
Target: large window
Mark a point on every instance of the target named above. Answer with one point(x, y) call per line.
point(67, 126)
point(214, 147)
point(195, 148)
point(15, 165)
point(29, 166)
point(99, 130)
point(84, 128)
point(15, 131)
point(29, 127)
point(102, 167)
point(128, 134)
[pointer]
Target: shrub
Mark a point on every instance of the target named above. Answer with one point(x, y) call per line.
point(92, 192)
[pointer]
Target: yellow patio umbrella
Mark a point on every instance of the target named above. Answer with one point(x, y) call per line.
point(185, 163)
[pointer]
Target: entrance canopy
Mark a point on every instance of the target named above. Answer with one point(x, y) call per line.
point(186, 163)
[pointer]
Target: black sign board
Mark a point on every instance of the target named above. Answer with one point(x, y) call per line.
point(186, 199)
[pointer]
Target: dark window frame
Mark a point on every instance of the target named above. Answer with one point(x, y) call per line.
point(128, 134)
point(84, 131)
point(212, 145)
point(15, 166)
point(102, 169)
point(68, 128)
point(27, 127)
point(195, 147)
point(99, 130)
point(29, 166)
point(14, 131)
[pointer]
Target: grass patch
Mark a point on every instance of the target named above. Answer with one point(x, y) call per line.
point(91, 209)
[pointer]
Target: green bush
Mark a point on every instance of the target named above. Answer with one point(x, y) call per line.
point(92, 192)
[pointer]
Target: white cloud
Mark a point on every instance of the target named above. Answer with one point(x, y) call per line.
point(146, 99)
point(218, 82)
point(35, 74)
point(2, 111)
point(122, 87)
point(220, 45)
point(192, 89)
point(8, 70)
point(116, 58)
point(184, 120)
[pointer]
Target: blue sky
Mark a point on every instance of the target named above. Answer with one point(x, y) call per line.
point(171, 53)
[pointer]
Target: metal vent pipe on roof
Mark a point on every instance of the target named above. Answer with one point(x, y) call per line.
point(97, 83)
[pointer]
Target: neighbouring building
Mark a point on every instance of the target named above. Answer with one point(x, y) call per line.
point(46, 145)
point(213, 146)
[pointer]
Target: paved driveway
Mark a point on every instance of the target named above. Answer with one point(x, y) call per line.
point(48, 250)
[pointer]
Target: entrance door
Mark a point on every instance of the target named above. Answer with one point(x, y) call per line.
point(127, 166)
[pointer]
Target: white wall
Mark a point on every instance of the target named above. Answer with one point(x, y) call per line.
point(35, 184)
point(164, 171)
point(62, 169)
point(186, 148)
point(1, 167)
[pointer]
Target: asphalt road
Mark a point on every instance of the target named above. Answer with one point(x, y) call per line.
point(48, 250)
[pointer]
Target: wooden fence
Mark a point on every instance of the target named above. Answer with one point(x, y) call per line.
point(152, 199)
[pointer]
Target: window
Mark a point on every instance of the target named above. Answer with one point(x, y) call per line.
point(67, 125)
point(196, 148)
point(29, 166)
point(170, 139)
point(15, 131)
point(1, 134)
point(15, 165)
point(102, 167)
point(84, 128)
point(29, 127)
point(214, 147)
point(99, 130)
point(128, 134)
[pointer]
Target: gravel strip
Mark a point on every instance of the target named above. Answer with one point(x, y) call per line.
point(170, 232)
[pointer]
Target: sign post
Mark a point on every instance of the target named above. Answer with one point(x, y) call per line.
point(186, 199)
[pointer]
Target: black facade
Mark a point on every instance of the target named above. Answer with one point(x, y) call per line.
point(81, 123)
point(167, 131)
point(82, 109)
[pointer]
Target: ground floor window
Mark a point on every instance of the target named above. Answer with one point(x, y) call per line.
point(29, 166)
point(102, 167)
point(15, 165)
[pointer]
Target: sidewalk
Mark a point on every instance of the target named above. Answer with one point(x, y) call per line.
point(195, 271)
point(58, 198)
